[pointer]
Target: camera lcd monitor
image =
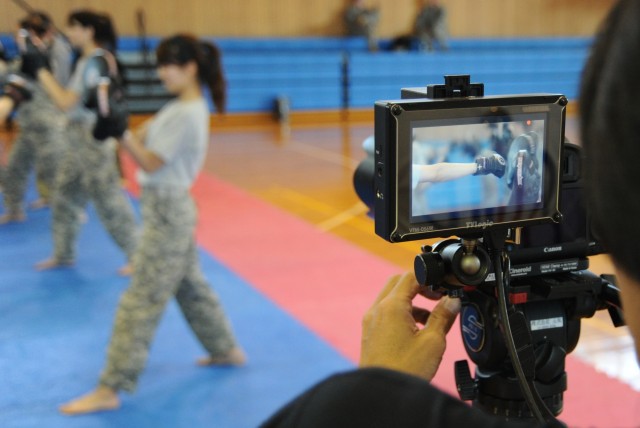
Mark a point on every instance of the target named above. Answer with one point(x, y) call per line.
point(455, 167)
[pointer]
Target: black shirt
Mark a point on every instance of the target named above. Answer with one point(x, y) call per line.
point(376, 397)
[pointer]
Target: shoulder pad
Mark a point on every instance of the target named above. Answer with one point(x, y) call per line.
point(97, 65)
point(101, 64)
point(107, 60)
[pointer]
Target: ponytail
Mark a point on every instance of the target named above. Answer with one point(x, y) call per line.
point(211, 72)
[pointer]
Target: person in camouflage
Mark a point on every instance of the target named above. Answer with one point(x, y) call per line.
point(41, 140)
point(362, 21)
point(431, 25)
point(88, 170)
point(170, 151)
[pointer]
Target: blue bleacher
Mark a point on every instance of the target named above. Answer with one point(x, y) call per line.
point(293, 45)
point(310, 71)
point(379, 76)
point(309, 80)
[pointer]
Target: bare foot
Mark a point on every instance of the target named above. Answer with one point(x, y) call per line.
point(235, 357)
point(126, 270)
point(12, 218)
point(51, 264)
point(100, 399)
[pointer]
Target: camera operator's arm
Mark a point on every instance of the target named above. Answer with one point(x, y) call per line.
point(391, 338)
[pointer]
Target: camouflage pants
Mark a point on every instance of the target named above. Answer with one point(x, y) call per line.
point(166, 266)
point(88, 172)
point(39, 147)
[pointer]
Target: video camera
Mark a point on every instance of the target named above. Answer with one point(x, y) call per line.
point(494, 176)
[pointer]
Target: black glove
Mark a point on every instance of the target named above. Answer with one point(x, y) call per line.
point(494, 164)
point(113, 125)
point(33, 59)
point(111, 111)
point(17, 88)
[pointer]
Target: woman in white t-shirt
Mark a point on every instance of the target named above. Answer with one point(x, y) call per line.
point(170, 150)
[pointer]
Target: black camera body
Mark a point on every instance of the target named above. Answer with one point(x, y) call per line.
point(492, 175)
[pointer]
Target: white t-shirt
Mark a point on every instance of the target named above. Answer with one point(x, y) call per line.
point(179, 135)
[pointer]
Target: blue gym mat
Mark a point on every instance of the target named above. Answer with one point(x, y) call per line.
point(55, 327)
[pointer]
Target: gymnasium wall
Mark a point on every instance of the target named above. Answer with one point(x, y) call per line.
point(299, 18)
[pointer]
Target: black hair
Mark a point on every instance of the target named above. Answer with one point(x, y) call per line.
point(610, 129)
point(104, 33)
point(183, 48)
point(38, 22)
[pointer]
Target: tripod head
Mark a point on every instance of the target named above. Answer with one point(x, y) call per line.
point(543, 314)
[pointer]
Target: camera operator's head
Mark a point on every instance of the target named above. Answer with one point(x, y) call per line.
point(610, 128)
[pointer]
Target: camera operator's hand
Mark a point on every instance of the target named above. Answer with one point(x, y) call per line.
point(494, 164)
point(391, 338)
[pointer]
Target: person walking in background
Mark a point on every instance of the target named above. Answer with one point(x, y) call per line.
point(431, 25)
point(362, 21)
point(170, 150)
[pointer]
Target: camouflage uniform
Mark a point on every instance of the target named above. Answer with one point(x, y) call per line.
point(166, 265)
point(40, 143)
point(89, 172)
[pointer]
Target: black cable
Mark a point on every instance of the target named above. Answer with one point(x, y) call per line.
point(536, 404)
point(508, 336)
